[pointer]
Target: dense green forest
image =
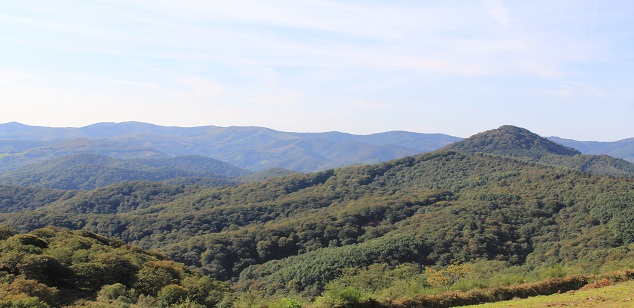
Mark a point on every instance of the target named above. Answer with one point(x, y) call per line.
point(518, 142)
point(90, 171)
point(426, 223)
point(448, 207)
point(55, 267)
point(513, 141)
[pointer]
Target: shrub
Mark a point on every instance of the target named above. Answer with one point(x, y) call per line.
point(150, 280)
point(556, 271)
point(111, 292)
point(187, 303)
point(25, 302)
point(447, 276)
point(286, 303)
point(30, 288)
point(5, 232)
point(172, 294)
point(205, 290)
point(334, 296)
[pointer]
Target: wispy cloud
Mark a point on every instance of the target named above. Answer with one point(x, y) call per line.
point(270, 57)
point(442, 37)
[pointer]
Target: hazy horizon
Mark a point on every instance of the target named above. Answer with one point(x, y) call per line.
point(556, 68)
point(328, 131)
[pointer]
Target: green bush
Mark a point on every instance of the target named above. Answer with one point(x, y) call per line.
point(111, 292)
point(150, 280)
point(286, 303)
point(334, 296)
point(556, 271)
point(172, 294)
point(187, 303)
point(27, 302)
point(27, 288)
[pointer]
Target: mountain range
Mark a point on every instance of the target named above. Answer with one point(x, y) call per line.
point(620, 149)
point(130, 151)
point(489, 197)
point(253, 148)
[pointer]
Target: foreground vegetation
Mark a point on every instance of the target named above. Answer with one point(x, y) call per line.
point(455, 285)
point(55, 267)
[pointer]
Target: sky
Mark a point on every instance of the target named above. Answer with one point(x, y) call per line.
point(558, 68)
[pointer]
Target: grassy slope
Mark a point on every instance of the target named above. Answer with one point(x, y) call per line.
point(619, 295)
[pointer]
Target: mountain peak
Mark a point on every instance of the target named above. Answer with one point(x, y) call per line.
point(511, 140)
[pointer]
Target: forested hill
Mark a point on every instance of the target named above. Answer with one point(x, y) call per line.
point(90, 171)
point(298, 232)
point(513, 141)
point(518, 142)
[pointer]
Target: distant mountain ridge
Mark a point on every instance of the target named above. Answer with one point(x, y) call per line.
point(621, 149)
point(254, 148)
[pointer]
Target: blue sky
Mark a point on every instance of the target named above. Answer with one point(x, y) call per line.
point(559, 68)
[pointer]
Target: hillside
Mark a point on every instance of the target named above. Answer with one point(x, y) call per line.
point(518, 142)
point(265, 175)
point(253, 148)
point(89, 171)
point(16, 198)
point(431, 209)
point(595, 164)
point(301, 233)
point(53, 267)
